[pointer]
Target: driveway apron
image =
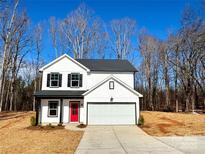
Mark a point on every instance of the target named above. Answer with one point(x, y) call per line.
point(121, 140)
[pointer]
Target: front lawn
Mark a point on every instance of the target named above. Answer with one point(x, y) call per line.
point(168, 124)
point(17, 137)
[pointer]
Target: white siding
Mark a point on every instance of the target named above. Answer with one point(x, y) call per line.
point(45, 119)
point(66, 111)
point(96, 77)
point(65, 67)
point(103, 94)
point(44, 109)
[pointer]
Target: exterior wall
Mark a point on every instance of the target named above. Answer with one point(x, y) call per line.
point(65, 66)
point(103, 94)
point(44, 112)
point(96, 77)
point(66, 111)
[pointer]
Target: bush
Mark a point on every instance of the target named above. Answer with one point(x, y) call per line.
point(50, 125)
point(141, 120)
point(33, 121)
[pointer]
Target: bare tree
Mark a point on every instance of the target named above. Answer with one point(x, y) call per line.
point(164, 57)
point(149, 49)
point(36, 63)
point(123, 32)
point(82, 31)
point(21, 46)
point(7, 32)
point(54, 34)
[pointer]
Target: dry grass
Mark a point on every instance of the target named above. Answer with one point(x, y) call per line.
point(168, 124)
point(16, 137)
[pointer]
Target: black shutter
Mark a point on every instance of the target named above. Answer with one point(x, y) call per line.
point(81, 80)
point(48, 80)
point(60, 80)
point(69, 76)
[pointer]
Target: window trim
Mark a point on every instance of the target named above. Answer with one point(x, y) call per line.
point(75, 80)
point(53, 101)
point(111, 85)
point(54, 80)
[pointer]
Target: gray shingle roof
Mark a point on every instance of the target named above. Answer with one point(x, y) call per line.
point(59, 94)
point(108, 65)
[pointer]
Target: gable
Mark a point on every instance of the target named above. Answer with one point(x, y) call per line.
point(64, 63)
point(120, 89)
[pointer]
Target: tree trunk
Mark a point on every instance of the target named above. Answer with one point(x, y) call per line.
point(187, 104)
point(204, 105)
point(5, 53)
point(193, 102)
point(7, 97)
point(15, 101)
point(35, 86)
point(2, 90)
point(11, 99)
point(177, 104)
point(176, 91)
point(166, 77)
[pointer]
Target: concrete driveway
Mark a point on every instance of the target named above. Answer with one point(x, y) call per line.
point(121, 140)
point(186, 144)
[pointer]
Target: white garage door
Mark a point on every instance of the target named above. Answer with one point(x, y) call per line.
point(111, 114)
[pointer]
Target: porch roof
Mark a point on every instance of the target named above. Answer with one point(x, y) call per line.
point(59, 94)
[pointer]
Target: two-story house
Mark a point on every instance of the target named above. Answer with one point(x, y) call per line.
point(88, 91)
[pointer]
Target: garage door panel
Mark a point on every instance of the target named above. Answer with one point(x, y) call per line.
point(111, 114)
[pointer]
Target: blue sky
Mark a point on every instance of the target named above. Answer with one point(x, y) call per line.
point(157, 16)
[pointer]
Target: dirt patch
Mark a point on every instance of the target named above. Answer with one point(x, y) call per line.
point(172, 121)
point(17, 136)
point(169, 124)
point(11, 115)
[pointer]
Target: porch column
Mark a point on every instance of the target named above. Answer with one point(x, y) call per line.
point(37, 107)
point(61, 111)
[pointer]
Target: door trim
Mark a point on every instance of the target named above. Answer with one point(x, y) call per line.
point(74, 102)
point(112, 103)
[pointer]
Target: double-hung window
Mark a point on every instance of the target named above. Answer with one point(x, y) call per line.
point(54, 80)
point(75, 80)
point(53, 108)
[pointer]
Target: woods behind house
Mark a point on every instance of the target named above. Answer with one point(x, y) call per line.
point(171, 71)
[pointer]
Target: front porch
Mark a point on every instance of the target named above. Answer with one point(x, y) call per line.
point(59, 107)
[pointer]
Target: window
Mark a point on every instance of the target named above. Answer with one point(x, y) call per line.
point(53, 108)
point(54, 80)
point(111, 85)
point(75, 80)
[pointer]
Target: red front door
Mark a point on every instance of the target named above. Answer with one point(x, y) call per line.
point(74, 108)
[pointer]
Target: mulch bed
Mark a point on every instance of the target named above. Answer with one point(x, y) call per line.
point(45, 127)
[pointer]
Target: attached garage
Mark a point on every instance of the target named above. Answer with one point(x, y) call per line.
point(111, 113)
point(111, 102)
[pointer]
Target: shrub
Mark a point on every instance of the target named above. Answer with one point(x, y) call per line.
point(60, 124)
point(33, 121)
point(141, 120)
point(82, 126)
point(50, 125)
